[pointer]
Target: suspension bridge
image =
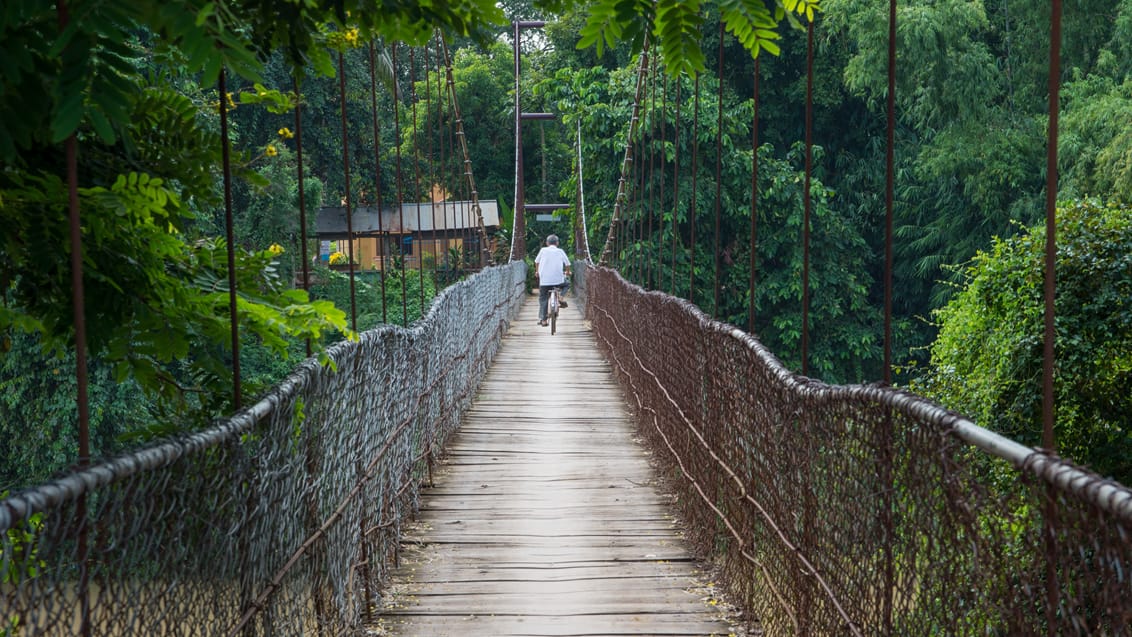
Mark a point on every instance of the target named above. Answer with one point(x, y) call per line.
point(435, 480)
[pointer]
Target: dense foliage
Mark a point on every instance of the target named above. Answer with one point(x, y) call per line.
point(136, 85)
point(987, 361)
point(133, 89)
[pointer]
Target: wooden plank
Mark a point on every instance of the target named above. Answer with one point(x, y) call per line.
point(544, 518)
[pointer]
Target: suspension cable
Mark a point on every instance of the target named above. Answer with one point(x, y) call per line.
point(718, 170)
point(377, 179)
point(675, 184)
point(400, 188)
point(806, 197)
point(692, 208)
point(485, 254)
point(442, 161)
point(302, 194)
point(230, 234)
point(585, 239)
point(754, 199)
point(78, 314)
point(651, 173)
point(430, 127)
point(606, 252)
point(416, 246)
point(663, 174)
point(349, 203)
point(1050, 294)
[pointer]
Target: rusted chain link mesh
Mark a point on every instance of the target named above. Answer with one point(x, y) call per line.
point(279, 521)
point(841, 510)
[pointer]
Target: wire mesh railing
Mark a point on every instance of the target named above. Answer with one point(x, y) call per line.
point(860, 510)
point(280, 520)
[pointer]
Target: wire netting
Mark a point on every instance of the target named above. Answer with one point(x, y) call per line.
point(860, 510)
point(281, 520)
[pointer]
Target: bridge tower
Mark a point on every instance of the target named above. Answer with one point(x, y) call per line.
point(519, 230)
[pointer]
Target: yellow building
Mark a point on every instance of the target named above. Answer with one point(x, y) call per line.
point(435, 232)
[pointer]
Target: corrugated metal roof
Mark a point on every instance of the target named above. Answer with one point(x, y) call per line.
point(439, 216)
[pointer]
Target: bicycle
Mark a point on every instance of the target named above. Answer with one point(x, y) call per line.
point(552, 309)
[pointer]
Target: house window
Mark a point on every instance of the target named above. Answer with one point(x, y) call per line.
point(407, 245)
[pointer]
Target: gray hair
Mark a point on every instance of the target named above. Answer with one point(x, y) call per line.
point(552, 240)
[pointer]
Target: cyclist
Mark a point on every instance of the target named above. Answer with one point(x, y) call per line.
point(552, 269)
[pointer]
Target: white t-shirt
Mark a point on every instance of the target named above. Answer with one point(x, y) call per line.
point(552, 263)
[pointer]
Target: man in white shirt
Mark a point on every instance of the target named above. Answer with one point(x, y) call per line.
point(552, 268)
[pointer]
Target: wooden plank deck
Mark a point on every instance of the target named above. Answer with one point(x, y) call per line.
point(545, 519)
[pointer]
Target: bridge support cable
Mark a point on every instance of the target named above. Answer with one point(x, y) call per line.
point(82, 375)
point(581, 232)
point(418, 244)
point(652, 239)
point(230, 238)
point(631, 242)
point(888, 451)
point(619, 201)
point(693, 204)
point(377, 178)
point(441, 109)
point(400, 186)
point(349, 199)
point(485, 257)
point(754, 199)
point(659, 284)
point(303, 239)
point(718, 175)
point(675, 183)
point(806, 199)
point(430, 126)
point(1049, 289)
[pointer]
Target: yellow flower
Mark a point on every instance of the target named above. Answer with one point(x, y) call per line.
point(270, 151)
point(275, 249)
point(352, 37)
point(337, 258)
point(231, 102)
point(286, 133)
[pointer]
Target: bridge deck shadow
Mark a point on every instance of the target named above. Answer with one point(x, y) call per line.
point(546, 518)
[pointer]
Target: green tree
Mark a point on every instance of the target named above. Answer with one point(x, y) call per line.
point(987, 361)
point(131, 86)
point(38, 423)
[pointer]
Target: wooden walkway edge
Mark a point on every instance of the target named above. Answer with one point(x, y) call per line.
point(545, 519)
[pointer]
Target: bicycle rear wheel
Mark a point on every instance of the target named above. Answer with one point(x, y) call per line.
point(553, 311)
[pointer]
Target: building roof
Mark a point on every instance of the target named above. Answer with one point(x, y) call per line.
point(439, 216)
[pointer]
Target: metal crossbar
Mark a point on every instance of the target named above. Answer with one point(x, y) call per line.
point(859, 509)
point(280, 520)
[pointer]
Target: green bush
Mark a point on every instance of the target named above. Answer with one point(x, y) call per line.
point(987, 359)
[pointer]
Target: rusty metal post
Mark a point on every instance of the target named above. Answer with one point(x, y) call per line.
point(754, 199)
point(349, 203)
point(302, 194)
point(887, 443)
point(806, 198)
point(400, 190)
point(1049, 441)
point(718, 174)
point(694, 204)
point(377, 178)
point(229, 233)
